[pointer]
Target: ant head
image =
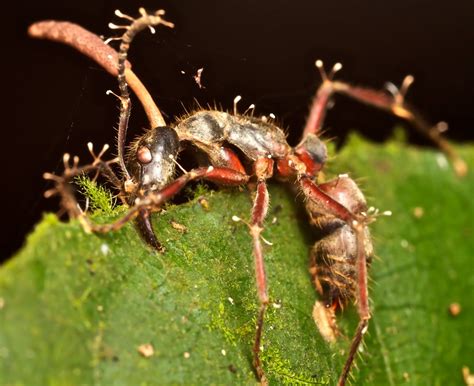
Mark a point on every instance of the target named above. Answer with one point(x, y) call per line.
point(313, 153)
point(152, 158)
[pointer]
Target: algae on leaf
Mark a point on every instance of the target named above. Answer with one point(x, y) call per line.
point(76, 307)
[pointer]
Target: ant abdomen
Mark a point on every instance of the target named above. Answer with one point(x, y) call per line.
point(333, 257)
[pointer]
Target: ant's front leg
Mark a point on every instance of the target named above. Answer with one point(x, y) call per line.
point(154, 200)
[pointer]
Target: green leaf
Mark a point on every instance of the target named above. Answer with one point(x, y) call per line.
point(75, 307)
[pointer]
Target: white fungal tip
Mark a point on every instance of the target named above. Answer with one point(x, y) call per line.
point(387, 213)
point(66, 157)
point(237, 99)
point(343, 175)
point(223, 352)
point(442, 126)
point(106, 147)
point(319, 63)
point(210, 169)
point(337, 67)
point(104, 248)
point(272, 116)
point(118, 13)
point(251, 107)
point(90, 146)
point(442, 161)
point(236, 218)
point(409, 79)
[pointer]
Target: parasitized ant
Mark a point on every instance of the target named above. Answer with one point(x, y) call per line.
point(339, 260)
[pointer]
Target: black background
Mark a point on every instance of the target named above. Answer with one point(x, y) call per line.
point(263, 50)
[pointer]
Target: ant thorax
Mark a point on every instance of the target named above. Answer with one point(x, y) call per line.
point(255, 137)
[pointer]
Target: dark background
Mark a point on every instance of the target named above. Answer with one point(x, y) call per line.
point(263, 50)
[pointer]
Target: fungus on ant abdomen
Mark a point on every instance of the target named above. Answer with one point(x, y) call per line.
point(339, 260)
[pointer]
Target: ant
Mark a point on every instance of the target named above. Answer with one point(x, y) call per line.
point(339, 260)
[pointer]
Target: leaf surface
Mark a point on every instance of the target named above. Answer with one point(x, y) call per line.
point(75, 307)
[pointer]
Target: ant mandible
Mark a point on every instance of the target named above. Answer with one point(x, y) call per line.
point(339, 261)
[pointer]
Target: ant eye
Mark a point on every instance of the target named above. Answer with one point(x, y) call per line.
point(144, 155)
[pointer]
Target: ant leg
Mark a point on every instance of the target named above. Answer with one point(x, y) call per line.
point(225, 176)
point(225, 157)
point(396, 105)
point(320, 102)
point(363, 307)
point(325, 204)
point(393, 103)
point(258, 215)
point(264, 170)
point(259, 212)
